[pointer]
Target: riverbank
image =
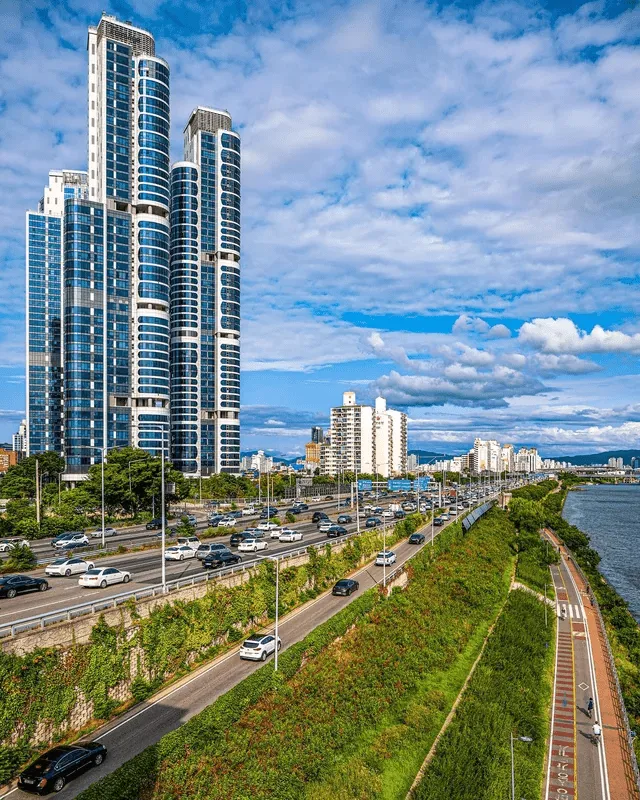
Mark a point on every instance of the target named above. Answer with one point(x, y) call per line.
point(622, 629)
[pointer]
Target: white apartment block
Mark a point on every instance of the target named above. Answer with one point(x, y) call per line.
point(487, 455)
point(528, 460)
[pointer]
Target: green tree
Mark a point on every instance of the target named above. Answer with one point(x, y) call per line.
point(20, 480)
point(21, 558)
point(527, 515)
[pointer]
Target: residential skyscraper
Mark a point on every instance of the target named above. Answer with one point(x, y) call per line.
point(317, 434)
point(133, 302)
point(19, 439)
point(213, 149)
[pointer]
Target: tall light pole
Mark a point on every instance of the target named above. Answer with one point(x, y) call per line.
point(513, 771)
point(277, 560)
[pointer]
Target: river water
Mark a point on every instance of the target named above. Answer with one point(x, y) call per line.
point(610, 515)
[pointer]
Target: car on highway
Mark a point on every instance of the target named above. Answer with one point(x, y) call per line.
point(188, 541)
point(345, 503)
point(289, 535)
point(7, 545)
point(344, 519)
point(11, 585)
point(247, 511)
point(51, 771)
point(240, 536)
point(345, 587)
point(267, 526)
point(385, 558)
point(388, 513)
point(274, 533)
point(68, 566)
point(372, 522)
point(176, 553)
point(189, 519)
point(336, 530)
point(220, 558)
point(252, 545)
point(258, 647)
point(214, 519)
point(210, 547)
point(318, 515)
point(70, 537)
point(299, 508)
point(416, 538)
point(107, 532)
point(438, 521)
point(103, 576)
point(329, 497)
point(325, 524)
point(269, 511)
point(154, 524)
point(399, 514)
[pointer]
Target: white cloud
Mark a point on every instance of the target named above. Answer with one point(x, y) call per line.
point(549, 364)
point(563, 336)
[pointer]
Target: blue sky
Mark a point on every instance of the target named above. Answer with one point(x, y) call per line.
point(440, 203)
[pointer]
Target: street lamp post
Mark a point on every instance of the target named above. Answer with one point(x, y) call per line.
point(513, 770)
point(277, 560)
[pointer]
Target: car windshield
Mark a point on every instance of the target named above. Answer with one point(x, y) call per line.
point(342, 583)
point(59, 561)
point(93, 572)
point(251, 644)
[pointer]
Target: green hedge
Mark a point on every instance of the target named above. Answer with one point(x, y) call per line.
point(279, 737)
point(535, 491)
point(510, 691)
point(42, 686)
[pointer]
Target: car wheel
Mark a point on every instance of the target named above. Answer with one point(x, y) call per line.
point(43, 587)
point(255, 549)
point(58, 785)
point(126, 579)
point(98, 760)
point(103, 585)
point(90, 565)
point(67, 573)
point(279, 646)
point(181, 557)
point(348, 592)
point(263, 657)
point(11, 594)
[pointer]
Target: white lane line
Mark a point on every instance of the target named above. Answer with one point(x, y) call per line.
point(578, 614)
point(570, 611)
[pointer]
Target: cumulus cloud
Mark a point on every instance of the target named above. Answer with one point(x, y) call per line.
point(467, 324)
point(562, 335)
point(550, 364)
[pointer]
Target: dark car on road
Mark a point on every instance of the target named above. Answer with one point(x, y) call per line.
point(318, 515)
point(438, 521)
point(154, 525)
point(268, 512)
point(345, 587)
point(298, 508)
point(239, 536)
point(51, 771)
point(335, 531)
point(372, 522)
point(11, 585)
point(220, 558)
point(399, 514)
point(344, 519)
point(416, 538)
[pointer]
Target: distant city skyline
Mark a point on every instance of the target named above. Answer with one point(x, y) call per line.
point(468, 252)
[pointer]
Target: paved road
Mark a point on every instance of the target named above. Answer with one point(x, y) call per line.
point(576, 765)
point(144, 725)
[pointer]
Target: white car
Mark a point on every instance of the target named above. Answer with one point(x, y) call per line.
point(252, 545)
point(6, 545)
point(388, 513)
point(179, 553)
point(275, 532)
point(258, 647)
point(247, 511)
point(325, 524)
point(103, 577)
point(107, 532)
point(289, 535)
point(385, 558)
point(188, 541)
point(77, 538)
point(267, 526)
point(68, 566)
point(227, 522)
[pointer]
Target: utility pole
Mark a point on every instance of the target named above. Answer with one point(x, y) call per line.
point(277, 603)
point(38, 492)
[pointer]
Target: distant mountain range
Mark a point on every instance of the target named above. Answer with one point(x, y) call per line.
point(599, 458)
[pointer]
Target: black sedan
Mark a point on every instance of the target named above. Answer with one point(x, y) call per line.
point(335, 531)
point(416, 538)
point(372, 522)
point(51, 771)
point(318, 516)
point(344, 519)
point(238, 537)
point(11, 585)
point(154, 525)
point(345, 587)
point(220, 558)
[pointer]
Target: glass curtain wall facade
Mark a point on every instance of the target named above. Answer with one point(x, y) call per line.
point(214, 147)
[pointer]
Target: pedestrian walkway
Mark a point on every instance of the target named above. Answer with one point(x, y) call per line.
point(577, 766)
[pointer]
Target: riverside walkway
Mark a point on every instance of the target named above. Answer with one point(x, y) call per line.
point(578, 767)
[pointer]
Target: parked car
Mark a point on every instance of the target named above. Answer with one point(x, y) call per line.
point(336, 530)
point(345, 587)
point(416, 538)
point(103, 577)
point(52, 770)
point(78, 540)
point(344, 519)
point(385, 558)
point(220, 558)
point(154, 525)
point(289, 535)
point(189, 519)
point(179, 553)
point(252, 545)
point(11, 585)
point(372, 522)
point(68, 566)
point(6, 545)
point(258, 647)
point(107, 532)
point(211, 547)
point(267, 526)
point(318, 515)
point(188, 541)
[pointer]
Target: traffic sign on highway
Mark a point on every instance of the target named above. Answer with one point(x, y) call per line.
point(421, 483)
point(365, 486)
point(399, 485)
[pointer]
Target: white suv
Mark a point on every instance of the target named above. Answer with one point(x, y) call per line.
point(189, 541)
point(258, 647)
point(385, 558)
